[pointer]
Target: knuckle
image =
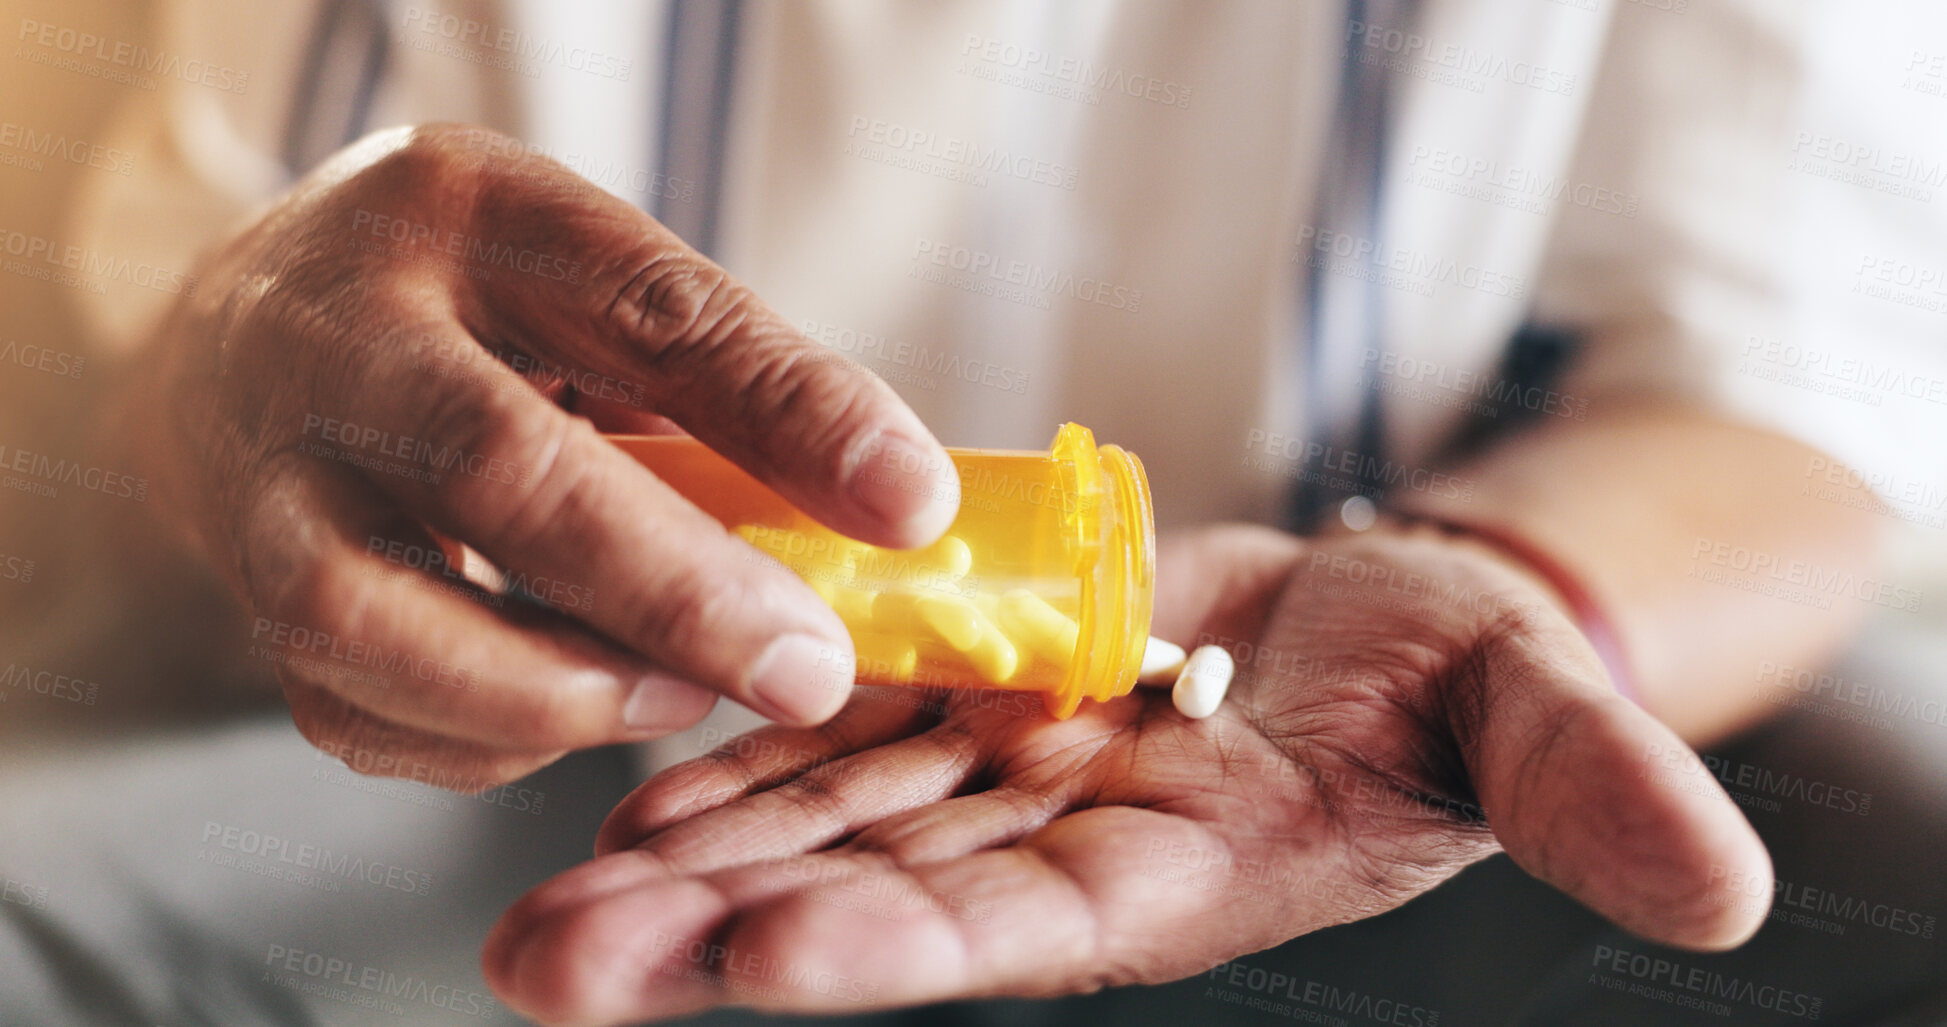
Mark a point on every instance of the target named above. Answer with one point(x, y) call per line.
point(509, 173)
point(435, 152)
point(500, 453)
point(432, 171)
point(326, 599)
point(1515, 623)
point(675, 305)
point(548, 491)
point(473, 420)
point(834, 405)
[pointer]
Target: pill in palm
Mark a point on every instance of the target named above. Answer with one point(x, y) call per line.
point(1206, 677)
point(1162, 661)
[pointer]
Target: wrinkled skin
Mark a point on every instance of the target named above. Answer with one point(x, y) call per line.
point(373, 373)
point(900, 855)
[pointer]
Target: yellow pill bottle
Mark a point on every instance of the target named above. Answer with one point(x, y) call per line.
point(1044, 582)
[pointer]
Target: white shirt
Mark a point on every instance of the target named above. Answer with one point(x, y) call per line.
point(1677, 180)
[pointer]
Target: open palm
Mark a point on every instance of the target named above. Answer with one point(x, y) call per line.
point(1406, 704)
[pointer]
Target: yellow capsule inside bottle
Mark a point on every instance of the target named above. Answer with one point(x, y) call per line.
point(1043, 583)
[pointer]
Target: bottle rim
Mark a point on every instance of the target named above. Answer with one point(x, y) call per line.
point(1113, 534)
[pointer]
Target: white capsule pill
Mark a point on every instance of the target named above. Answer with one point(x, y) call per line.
point(1206, 677)
point(1162, 661)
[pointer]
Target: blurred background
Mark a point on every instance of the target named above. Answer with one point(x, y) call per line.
point(153, 792)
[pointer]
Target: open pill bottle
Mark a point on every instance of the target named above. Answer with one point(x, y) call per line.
point(1043, 583)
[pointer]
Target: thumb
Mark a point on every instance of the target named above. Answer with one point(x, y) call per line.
point(1591, 794)
point(1219, 583)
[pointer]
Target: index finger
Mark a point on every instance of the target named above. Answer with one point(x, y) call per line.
point(488, 460)
point(615, 293)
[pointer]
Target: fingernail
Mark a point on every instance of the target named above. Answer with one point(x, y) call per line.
point(651, 702)
point(902, 481)
point(802, 679)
